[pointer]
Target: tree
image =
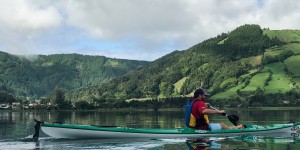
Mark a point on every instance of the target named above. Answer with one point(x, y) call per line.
point(45, 100)
point(83, 105)
point(7, 98)
point(60, 100)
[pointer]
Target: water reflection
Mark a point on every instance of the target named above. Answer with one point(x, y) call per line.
point(163, 144)
point(261, 142)
point(247, 142)
point(204, 143)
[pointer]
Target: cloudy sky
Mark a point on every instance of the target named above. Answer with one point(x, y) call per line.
point(131, 29)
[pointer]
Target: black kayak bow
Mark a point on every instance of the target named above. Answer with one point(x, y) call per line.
point(37, 127)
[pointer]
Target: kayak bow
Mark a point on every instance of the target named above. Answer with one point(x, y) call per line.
point(89, 131)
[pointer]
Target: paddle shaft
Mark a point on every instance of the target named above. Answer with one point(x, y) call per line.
point(224, 114)
point(234, 119)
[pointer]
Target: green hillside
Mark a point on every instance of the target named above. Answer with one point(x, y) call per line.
point(38, 75)
point(239, 64)
point(279, 71)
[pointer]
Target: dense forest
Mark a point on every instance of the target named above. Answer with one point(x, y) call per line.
point(38, 76)
point(248, 66)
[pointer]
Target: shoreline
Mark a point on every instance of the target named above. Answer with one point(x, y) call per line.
point(144, 110)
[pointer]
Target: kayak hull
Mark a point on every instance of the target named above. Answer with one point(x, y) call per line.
point(86, 131)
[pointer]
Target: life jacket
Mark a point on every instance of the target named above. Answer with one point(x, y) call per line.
point(190, 120)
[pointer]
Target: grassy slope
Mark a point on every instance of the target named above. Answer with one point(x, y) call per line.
point(226, 82)
point(254, 61)
point(292, 64)
point(288, 36)
point(232, 91)
point(179, 84)
point(295, 47)
point(292, 37)
point(229, 93)
point(256, 81)
point(274, 51)
point(280, 81)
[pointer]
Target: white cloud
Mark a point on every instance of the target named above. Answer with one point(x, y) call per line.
point(155, 23)
point(119, 19)
point(134, 29)
point(22, 21)
point(22, 16)
point(281, 14)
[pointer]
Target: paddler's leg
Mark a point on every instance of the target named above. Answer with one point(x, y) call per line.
point(224, 126)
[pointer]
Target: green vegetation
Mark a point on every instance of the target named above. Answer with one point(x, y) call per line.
point(179, 84)
point(253, 61)
point(292, 64)
point(288, 36)
point(257, 81)
point(229, 93)
point(60, 101)
point(228, 82)
point(297, 81)
point(39, 75)
point(280, 80)
point(295, 47)
point(216, 66)
point(6, 98)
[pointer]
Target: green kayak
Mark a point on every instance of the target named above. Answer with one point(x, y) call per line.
point(72, 131)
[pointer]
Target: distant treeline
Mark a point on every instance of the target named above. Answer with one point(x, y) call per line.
point(258, 99)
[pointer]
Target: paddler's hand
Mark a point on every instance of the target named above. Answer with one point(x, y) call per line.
point(207, 105)
point(222, 112)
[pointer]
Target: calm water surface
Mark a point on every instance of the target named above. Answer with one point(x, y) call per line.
point(16, 130)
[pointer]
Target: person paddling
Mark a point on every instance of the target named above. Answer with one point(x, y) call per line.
point(198, 118)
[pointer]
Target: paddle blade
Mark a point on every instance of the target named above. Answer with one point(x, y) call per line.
point(234, 119)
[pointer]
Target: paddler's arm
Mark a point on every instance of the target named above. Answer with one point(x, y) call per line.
point(212, 111)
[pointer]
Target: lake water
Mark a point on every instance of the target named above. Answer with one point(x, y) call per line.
point(16, 130)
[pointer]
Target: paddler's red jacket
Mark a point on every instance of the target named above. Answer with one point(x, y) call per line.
point(197, 109)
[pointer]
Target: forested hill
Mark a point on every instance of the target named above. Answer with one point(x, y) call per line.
point(242, 63)
point(37, 76)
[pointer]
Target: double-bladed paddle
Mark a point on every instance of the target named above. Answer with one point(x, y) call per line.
point(234, 119)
